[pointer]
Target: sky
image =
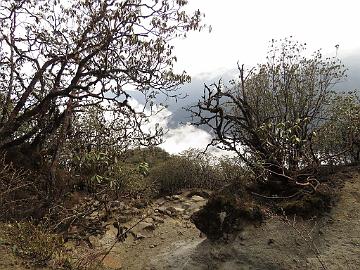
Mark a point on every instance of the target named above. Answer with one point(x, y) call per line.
point(241, 32)
point(242, 29)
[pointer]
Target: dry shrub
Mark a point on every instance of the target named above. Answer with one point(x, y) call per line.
point(32, 242)
point(17, 193)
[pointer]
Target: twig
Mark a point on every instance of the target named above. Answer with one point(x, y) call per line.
point(121, 235)
point(275, 197)
point(306, 239)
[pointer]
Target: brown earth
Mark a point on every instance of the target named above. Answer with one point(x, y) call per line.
point(166, 239)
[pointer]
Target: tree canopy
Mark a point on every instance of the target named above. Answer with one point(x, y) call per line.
point(58, 59)
point(270, 116)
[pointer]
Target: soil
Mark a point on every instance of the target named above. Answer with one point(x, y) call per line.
point(166, 239)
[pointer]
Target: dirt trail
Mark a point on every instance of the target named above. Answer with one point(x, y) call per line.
point(167, 239)
point(331, 242)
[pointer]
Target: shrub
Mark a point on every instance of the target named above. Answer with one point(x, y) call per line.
point(338, 139)
point(31, 242)
point(193, 169)
point(18, 195)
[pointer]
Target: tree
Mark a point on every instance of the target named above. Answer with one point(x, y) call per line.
point(60, 58)
point(269, 116)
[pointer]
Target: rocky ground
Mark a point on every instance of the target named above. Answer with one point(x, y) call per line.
point(165, 228)
point(164, 238)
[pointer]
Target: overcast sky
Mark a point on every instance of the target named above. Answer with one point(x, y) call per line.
point(241, 31)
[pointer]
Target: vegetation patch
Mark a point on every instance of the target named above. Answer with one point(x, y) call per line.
point(32, 242)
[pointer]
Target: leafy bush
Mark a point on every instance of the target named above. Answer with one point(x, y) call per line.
point(338, 139)
point(100, 171)
point(193, 169)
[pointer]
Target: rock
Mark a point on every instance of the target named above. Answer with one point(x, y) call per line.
point(94, 241)
point(94, 214)
point(158, 220)
point(153, 246)
point(176, 197)
point(197, 198)
point(161, 209)
point(186, 205)
point(175, 210)
point(145, 226)
point(117, 205)
point(123, 219)
point(271, 241)
point(148, 220)
point(201, 193)
point(139, 236)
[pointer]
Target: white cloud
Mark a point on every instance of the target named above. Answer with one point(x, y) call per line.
point(179, 139)
point(185, 137)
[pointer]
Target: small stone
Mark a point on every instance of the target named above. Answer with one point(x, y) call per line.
point(146, 226)
point(158, 220)
point(186, 205)
point(94, 214)
point(96, 203)
point(271, 241)
point(94, 241)
point(176, 210)
point(148, 220)
point(153, 246)
point(197, 198)
point(139, 236)
point(161, 209)
point(123, 219)
point(176, 197)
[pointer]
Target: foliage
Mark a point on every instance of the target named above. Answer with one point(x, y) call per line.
point(194, 169)
point(101, 171)
point(31, 242)
point(268, 117)
point(338, 139)
point(64, 62)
